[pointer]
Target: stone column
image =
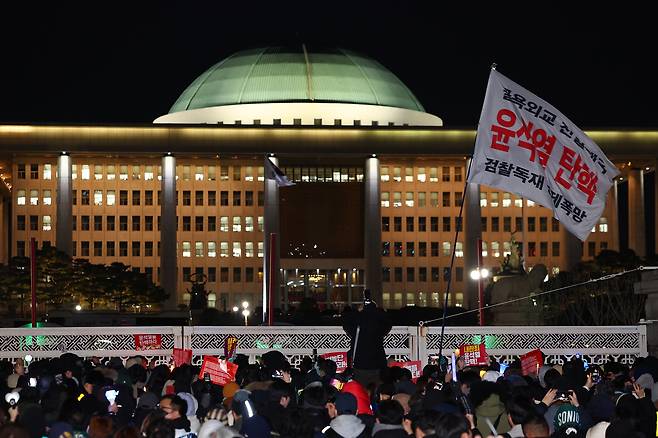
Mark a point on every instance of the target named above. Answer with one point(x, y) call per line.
point(472, 233)
point(5, 220)
point(572, 250)
point(271, 225)
point(64, 225)
point(168, 232)
point(636, 224)
point(372, 231)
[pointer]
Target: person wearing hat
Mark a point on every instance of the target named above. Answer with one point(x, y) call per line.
point(253, 425)
point(228, 391)
point(342, 409)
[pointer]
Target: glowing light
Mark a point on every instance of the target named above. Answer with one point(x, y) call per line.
point(78, 307)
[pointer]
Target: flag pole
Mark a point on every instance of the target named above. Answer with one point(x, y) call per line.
point(458, 225)
point(272, 281)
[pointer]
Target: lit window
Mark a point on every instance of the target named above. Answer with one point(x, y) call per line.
point(446, 248)
point(249, 224)
point(507, 199)
point(385, 199)
point(410, 199)
point(198, 174)
point(47, 197)
point(212, 249)
point(148, 173)
point(483, 199)
point(34, 197)
point(223, 249)
point(603, 225)
point(434, 174)
point(485, 253)
point(409, 174)
point(529, 203)
point(198, 249)
point(85, 171)
point(421, 199)
point(111, 197)
point(494, 199)
point(249, 173)
point(98, 197)
point(507, 249)
point(187, 249)
point(46, 223)
point(434, 199)
point(260, 250)
point(20, 197)
point(123, 173)
point(237, 224)
point(495, 249)
point(397, 174)
point(47, 171)
point(249, 249)
point(211, 173)
point(111, 172)
point(421, 176)
point(223, 224)
point(383, 174)
point(459, 249)
point(74, 171)
point(397, 199)
point(98, 172)
point(237, 249)
point(260, 223)
point(136, 172)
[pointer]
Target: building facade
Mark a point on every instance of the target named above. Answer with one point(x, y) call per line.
point(379, 189)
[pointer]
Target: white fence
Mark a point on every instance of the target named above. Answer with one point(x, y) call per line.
point(596, 344)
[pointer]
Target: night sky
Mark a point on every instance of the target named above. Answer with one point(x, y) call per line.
point(120, 63)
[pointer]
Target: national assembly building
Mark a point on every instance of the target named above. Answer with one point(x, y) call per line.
point(379, 184)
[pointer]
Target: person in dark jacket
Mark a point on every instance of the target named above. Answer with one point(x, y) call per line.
point(389, 420)
point(366, 329)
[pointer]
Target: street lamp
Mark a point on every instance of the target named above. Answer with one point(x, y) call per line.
point(78, 307)
point(245, 313)
point(479, 274)
point(236, 308)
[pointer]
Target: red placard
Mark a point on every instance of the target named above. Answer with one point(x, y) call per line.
point(339, 357)
point(413, 365)
point(474, 354)
point(220, 371)
point(230, 345)
point(148, 342)
point(182, 356)
point(531, 362)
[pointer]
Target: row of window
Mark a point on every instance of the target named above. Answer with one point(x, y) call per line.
point(147, 172)
point(435, 274)
point(324, 174)
point(109, 197)
point(444, 249)
point(236, 249)
point(421, 174)
point(237, 277)
point(410, 199)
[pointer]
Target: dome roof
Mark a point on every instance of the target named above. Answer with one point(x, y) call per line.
point(278, 74)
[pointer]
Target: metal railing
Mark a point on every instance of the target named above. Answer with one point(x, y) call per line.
point(595, 344)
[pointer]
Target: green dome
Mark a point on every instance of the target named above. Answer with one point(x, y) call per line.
point(277, 74)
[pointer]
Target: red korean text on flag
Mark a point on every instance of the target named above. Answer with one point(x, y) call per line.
point(526, 146)
point(182, 356)
point(531, 362)
point(414, 366)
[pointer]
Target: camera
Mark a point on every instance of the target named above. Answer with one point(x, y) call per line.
point(33, 382)
point(562, 395)
point(206, 377)
point(12, 398)
point(111, 395)
point(367, 298)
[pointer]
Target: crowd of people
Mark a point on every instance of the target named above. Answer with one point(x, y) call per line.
point(71, 397)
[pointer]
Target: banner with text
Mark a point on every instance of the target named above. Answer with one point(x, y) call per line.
point(182, 356)
point(474, 354)
point(148, 342)
point(219, 371)
point(412, 365)
point(230, 345)
point(339, 357)
point(531, 362)
point(526, 146)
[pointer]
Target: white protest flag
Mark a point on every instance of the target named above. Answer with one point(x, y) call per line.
point(526, 146)
point(274, 173)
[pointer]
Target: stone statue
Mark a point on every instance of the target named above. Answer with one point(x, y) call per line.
point(517, 286)
point(513, 262)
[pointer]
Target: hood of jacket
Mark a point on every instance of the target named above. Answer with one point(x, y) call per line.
point(348, 426)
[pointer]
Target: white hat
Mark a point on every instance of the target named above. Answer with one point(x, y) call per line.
point(491, 376)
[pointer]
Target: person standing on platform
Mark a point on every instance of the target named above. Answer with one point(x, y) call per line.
point(366, 329)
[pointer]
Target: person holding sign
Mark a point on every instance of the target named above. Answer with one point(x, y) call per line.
point(366, 329)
